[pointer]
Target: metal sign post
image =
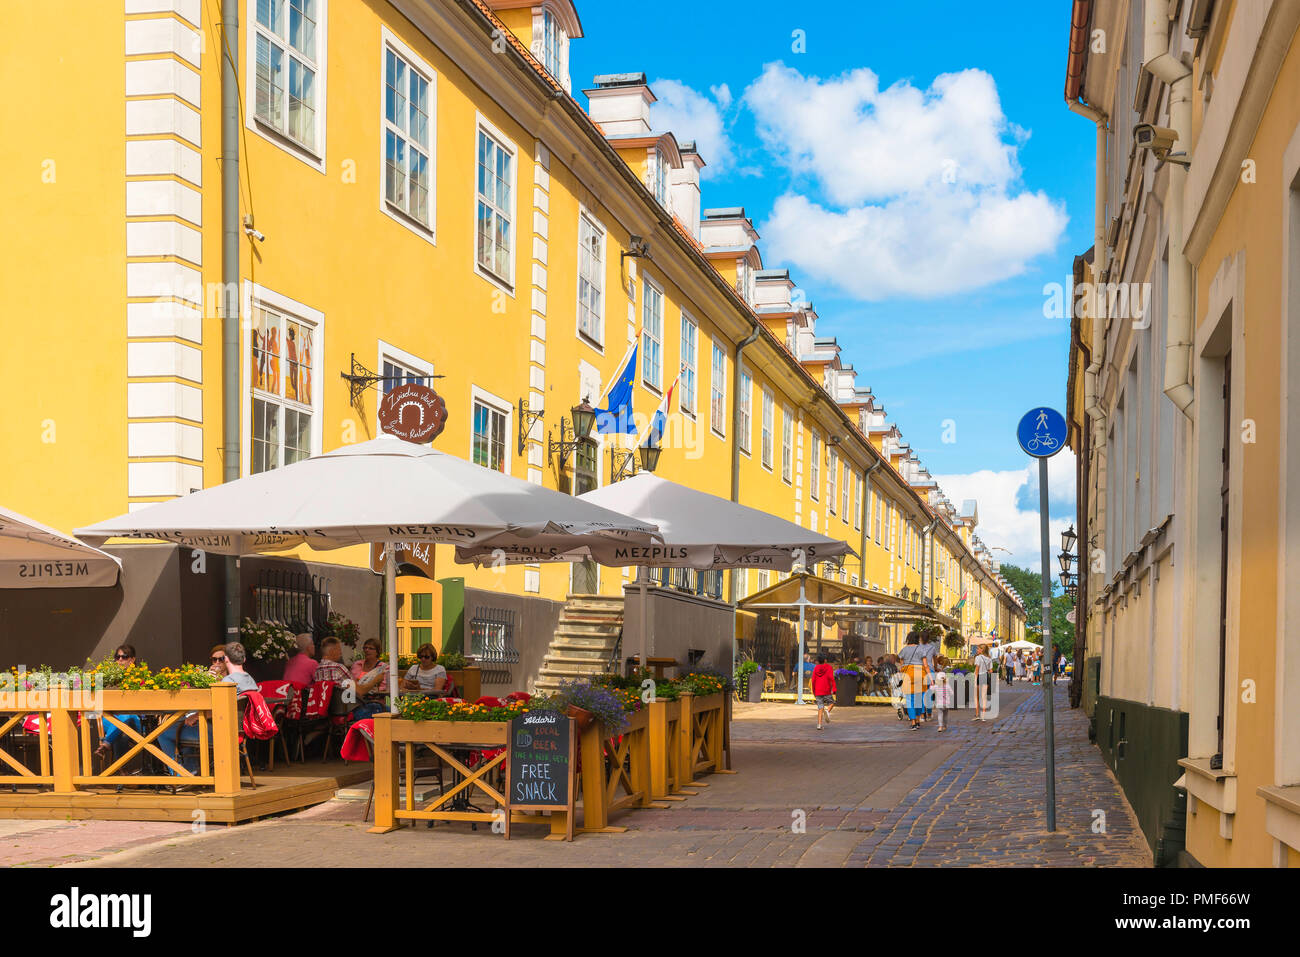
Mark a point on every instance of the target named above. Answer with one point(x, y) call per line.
point(1042, 434)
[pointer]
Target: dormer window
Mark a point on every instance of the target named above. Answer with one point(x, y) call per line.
point(553, 45)
point(659, 177)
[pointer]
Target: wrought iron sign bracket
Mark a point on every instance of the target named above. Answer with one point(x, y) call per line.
point(527, 418)
point(622, 464)
point(360, 379)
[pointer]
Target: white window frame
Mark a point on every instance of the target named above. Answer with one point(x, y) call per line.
point(745, 410)
point(387, 352)
point(313, 156)
point(845, 495)
point(424, 229)
point(586, 216)
point(815, 466)
point(657, 175)
point(767, 428)
point(718, 370)
point(690, 364)
point(832, 467)
point(505, 283)
point(647, 284)
point(787, 445)
point(497, 404)
point(255, 295)
point(858, 482)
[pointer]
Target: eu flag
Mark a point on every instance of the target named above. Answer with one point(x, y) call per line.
point(614, 411)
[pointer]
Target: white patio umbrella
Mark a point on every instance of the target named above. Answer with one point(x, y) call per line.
point(384, 490)
point(1021, 645)
point(699, 531)
point(33, 555)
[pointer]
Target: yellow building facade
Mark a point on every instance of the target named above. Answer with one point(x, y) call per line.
point(1184, 416)
point(421, 198)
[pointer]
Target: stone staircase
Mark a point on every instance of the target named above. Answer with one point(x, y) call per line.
point(585, 639)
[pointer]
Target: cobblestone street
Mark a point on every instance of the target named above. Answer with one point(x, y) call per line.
point(865, 792)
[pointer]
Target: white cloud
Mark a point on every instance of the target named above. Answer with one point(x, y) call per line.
point(923, 245)
point(919, 185)
point(1002, 522)
point(690, 115)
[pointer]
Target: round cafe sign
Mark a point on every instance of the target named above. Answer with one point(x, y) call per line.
point(413, 412)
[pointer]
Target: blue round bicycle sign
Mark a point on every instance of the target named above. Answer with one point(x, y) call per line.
point(1042, 432)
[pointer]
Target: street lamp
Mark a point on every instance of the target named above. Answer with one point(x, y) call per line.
point(1068, 538)
point(584, 418)
point(1067, 560)
point(650, 453)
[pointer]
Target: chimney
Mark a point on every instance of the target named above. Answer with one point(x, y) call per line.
point(684, 189)
point(620, 103)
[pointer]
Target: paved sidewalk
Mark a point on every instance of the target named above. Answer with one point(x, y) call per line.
point(864, 792)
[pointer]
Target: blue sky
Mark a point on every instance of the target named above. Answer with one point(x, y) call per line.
point(921, 206)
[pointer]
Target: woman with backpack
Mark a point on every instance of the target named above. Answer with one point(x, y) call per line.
point(912, 660)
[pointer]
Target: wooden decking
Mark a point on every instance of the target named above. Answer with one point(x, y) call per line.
point(284, 789)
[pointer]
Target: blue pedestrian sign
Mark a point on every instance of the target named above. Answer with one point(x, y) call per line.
point(1042, 432)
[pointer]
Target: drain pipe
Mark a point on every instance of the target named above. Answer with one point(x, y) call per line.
point(1164, 66)
point(1079, 21)
point(866, 519)
point(230, 240)
point(735, 438)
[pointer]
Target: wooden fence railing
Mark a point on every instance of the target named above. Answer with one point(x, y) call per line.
point(398, 740)
point(615, 771)
point(64, 760)
point(665, 747)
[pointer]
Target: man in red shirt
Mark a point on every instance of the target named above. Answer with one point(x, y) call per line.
point(823, 689)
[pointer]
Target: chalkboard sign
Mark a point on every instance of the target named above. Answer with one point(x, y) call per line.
point(539, 765)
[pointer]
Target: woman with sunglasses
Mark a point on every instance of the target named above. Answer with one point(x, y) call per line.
point(371, 675)
point(112, 742)
point(428, 677)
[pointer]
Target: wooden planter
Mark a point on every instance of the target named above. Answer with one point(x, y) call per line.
point(664, 719)
point(615, 771)
point(701, 735)
point(396, 740)
point(64, 740)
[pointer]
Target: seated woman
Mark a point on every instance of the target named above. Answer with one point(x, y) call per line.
point(427, 677)
point(112, 742)
point(371, 676)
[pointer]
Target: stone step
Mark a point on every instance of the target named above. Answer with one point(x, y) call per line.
point(586, 627)
point(585, 642)
point(575, 658)
point(611, 624)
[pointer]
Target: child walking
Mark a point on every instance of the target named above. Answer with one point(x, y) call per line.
point(823, 688)
point(942, 688)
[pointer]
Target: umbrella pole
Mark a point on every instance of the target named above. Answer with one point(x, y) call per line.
point(642, 577)
point(390, 599)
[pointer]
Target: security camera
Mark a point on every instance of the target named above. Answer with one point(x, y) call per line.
point(250, 231)
point(1159, 140)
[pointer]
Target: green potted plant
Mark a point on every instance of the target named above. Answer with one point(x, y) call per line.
point(953, 641)
point(749, 680)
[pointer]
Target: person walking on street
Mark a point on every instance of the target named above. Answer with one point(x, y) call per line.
point(942, 688)
point(983, 666)
point(912, 662)
point(823, 689)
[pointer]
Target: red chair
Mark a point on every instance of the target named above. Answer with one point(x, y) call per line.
point(280, 711)
point(312, 713)
point(488, 701)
